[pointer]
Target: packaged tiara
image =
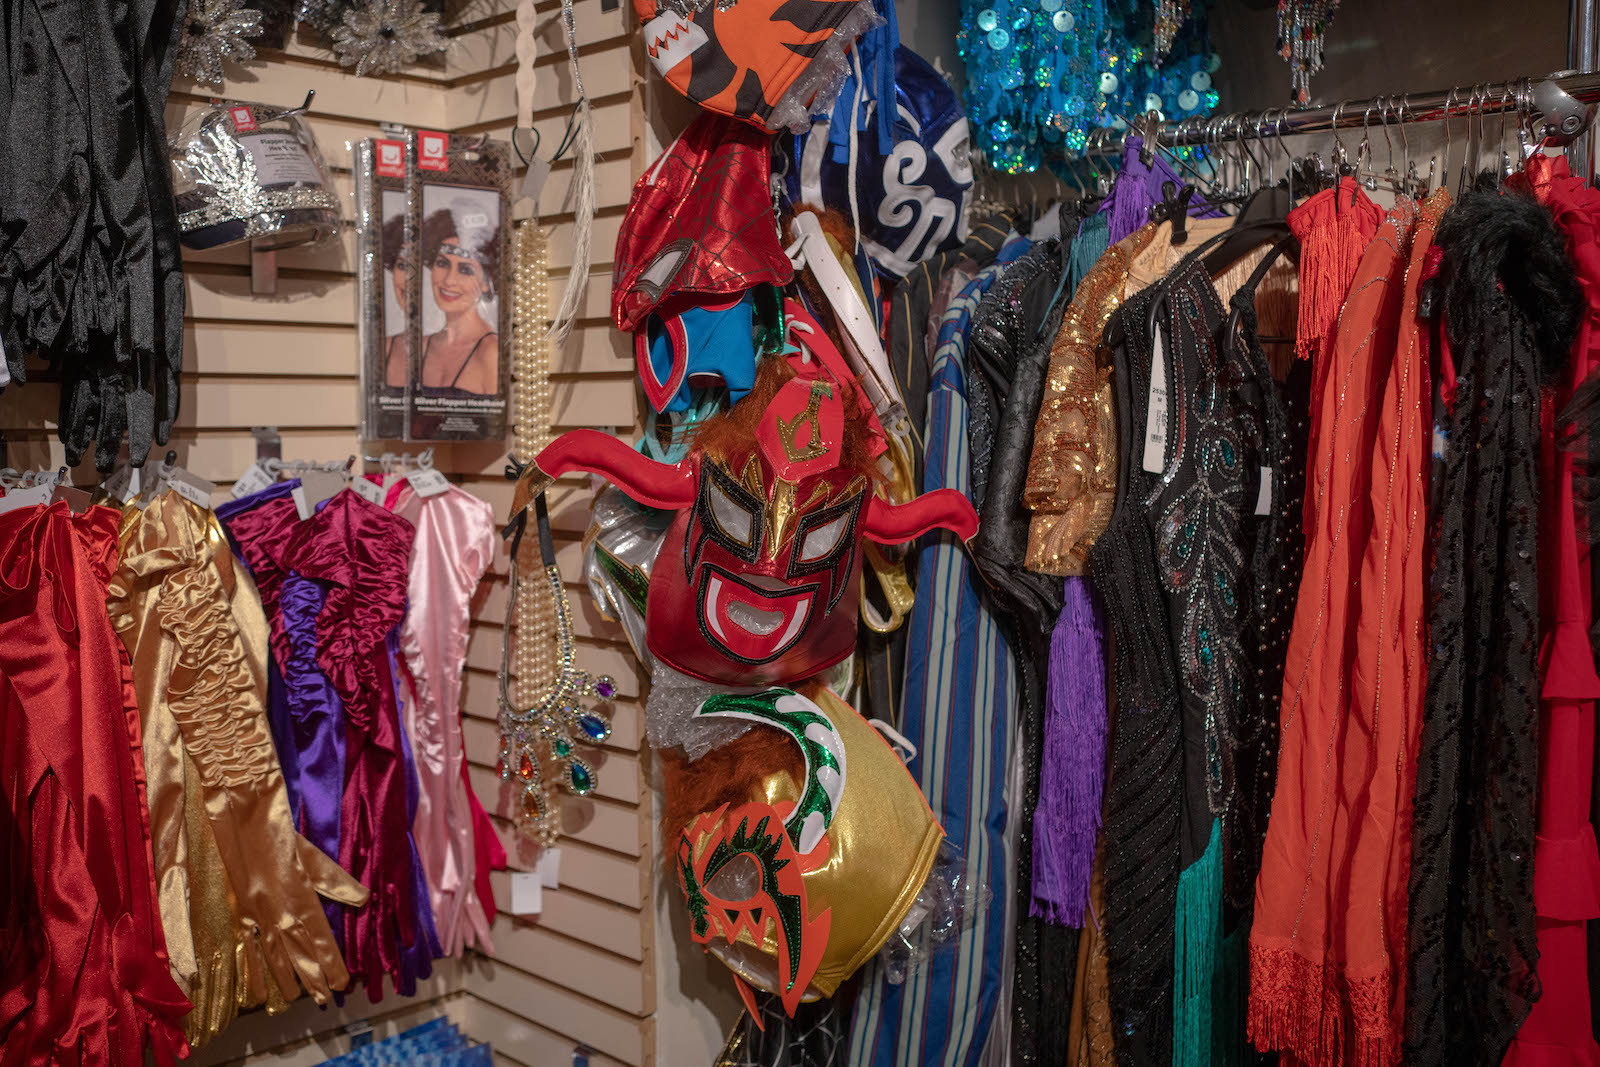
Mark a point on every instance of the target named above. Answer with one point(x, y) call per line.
point(386, 241)
point(250, 172)
point(459, 340)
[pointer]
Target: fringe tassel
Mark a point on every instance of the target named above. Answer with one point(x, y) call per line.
point(1087, 249)
point(1066, 820)
point(580, 201)
point(580, 194)
point(1330, 251)
point(1131, 196)
point(1195, 947)
point(1315, 1015)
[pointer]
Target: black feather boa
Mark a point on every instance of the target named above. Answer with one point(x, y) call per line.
point(1506, 246)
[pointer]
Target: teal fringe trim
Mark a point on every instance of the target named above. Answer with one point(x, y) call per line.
point(1197, 946)
point(1086, 251)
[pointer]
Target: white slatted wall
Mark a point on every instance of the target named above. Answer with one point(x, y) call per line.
point(583, 972)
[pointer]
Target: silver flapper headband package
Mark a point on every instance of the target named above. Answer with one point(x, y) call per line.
point(251, 172)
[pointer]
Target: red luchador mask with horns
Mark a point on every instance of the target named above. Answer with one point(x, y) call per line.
point(759, 577)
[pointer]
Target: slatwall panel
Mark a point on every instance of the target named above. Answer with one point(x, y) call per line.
point(582, 972)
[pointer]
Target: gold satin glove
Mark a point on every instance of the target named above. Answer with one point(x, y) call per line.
point(177, 578)
point(192, 890)
point(213, 921)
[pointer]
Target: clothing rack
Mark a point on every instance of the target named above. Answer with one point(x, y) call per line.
point(1563, 102)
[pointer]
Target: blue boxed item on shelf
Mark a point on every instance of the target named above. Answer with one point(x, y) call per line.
point(435, 1043)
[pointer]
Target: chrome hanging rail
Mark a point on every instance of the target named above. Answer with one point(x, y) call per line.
point(1562, 103)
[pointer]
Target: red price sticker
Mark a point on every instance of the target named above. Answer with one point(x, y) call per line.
point(243, 120)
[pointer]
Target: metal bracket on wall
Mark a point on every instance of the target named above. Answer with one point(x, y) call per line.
point(263, 272)
point(269, 445)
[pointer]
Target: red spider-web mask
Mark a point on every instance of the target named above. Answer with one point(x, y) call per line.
point(699, 225)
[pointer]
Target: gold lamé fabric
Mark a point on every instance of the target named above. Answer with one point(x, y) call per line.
point(1072, 474)
point(880, 847)
point(192, 623)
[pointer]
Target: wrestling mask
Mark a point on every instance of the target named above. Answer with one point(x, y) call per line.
point(765, 62)
point(758, 580)
point(796, 874)
point(699, 229)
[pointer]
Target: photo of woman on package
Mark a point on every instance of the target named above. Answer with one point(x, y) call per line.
point(460, 246)
point(396, 290)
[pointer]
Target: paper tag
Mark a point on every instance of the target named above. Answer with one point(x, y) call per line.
point(1155, 421)
point(368, 490)
point(301, 505)
point(428, 482)
point(191, 487)
point(21, 498)
point(320, 485)
point(255, 478)
point(122, 484)
point(1264, 494)
point(527, 893)
point(432, 149)
point(533, 179)
point(281, 159)
point(549, 868)
point(76, 499)
point(5, 369)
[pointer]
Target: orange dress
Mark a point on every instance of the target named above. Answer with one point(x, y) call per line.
point(1326, 969)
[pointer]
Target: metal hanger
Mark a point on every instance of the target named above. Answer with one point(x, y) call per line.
point(1341, 164)
point(1469, 157)
point(1444, 165)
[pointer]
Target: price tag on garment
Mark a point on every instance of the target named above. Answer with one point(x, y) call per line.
point(21, 498)
point(123, 483)
point(255, 478)
point(428, 482)
point(314, 488)
point(549, 868)
point(1155, 421)
point(527, 893)
point(303, 507)
point(368, 490)
point(1264, 494)
point(191, 487)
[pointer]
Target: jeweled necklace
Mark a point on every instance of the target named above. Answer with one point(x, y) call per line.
point(547, 730)
point(1302, 34)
